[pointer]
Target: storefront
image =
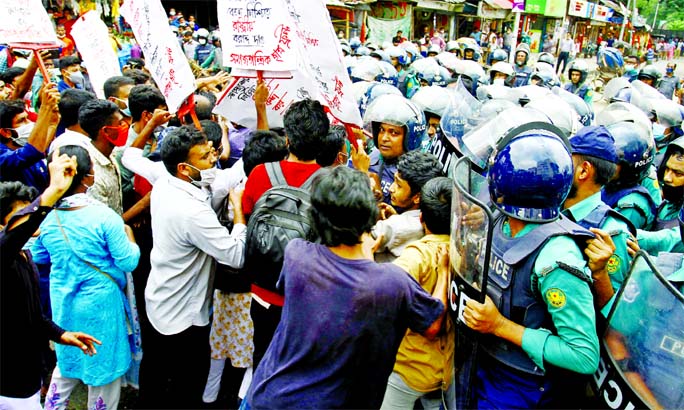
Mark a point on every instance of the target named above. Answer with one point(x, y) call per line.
point(455, 17)
point(494, 14)
point(542, 18)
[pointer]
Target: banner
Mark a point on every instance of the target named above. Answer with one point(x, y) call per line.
point(579, 8)
point(25, 21)
point(602, 13)
point(381, 30)
point(320, 73)
point(256, 37)
point(92, 39)
point(163, 54)
point(555, 8)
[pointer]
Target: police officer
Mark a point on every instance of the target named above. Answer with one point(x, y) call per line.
point(398, 127)
point(578, 71)
point(204, 48)
point(538, 320)
point(625, 193)
point(595, 162)
point(522, 70)
point(650, 75)
point(433, 101)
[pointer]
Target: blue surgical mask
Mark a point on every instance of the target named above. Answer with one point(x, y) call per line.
point(658, 132)
point(669, 70)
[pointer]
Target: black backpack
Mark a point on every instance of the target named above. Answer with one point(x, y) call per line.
point(281, 214)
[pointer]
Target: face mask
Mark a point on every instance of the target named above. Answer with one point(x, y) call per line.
point(77, 78)
point(674, 194)
point(629, 67)
point(658, 132)
point(207, 176)
point(499, 81)
point(23, 133)
point(202, 41)
point(669, 70)
point(121, 135)
point(126, 110)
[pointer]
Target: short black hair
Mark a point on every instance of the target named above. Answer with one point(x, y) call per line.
point(11, 193)
point(306, 124)
point(212, 131)
point(136, 63)
point(68, 61)
point(417, 168)
point(144, 98)
point(331, 145)
point(435, 205)
point(177, 145)
point(203, 107)
point(113, 84)
point(8, 110)
point(604, 170)
point(10, 74)
point(263, 147)
point(95, 114)
point(138, 76)
point(343, 207)
point(83, 165)
point(70, 102)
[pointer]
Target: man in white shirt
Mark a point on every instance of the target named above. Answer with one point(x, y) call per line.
point(567, 45)
point(188, 241)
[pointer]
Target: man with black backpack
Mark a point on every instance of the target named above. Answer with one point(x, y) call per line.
point(276, 196)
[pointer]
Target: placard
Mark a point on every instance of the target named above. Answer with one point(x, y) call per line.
point(92, 39)
point(25, 21)
point(163, 54)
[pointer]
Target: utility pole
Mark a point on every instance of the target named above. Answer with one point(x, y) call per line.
point(655, 16)
point(624, 20)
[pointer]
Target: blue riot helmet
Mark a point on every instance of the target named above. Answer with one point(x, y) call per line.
point(371, 91)
point(478, 143)
point(650, 73)
point(443, 77)
point(585, 113)
point(625, 112)
point(546, 58)
point(472, 75)
point(367, 69)
point(499, 55)
point(503, 69)
point(636, 152)
point(531, 172)
point(560, 113)
point(544, 78)
point(381, 55)
point(396, 110)
point(345, 49)
point(389, 74)
point(362, 51)
point(354, 43)
point(411, 51)
point(398, 54)
point(453, 47)
point(614, 90)
point(581, 67)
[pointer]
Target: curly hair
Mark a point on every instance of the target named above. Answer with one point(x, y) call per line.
point(435, 205)
point(417, 168)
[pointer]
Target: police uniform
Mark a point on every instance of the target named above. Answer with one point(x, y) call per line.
point(583, 91)
point(522, 75)
point(385, 171)
point(593, 213)
point(540, 280)
point(635, 203)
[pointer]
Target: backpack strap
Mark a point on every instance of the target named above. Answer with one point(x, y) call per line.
point(309, 181)
point(275, 174)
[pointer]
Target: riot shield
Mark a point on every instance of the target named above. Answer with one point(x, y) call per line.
point(470, 244)
point(642, 349)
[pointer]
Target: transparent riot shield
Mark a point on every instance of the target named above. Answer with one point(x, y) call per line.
point(642, 349)
point(470, 244)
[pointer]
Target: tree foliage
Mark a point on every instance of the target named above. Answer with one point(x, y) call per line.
point(670, 11)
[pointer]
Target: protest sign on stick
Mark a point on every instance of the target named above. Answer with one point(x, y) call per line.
point(319, 73)
point(163, 54)
point(92, 39)
point(25, 21)
point(256, 35)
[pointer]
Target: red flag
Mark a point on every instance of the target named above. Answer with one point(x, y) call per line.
point(362, 37)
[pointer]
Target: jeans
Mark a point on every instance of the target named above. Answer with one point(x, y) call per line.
point(400, 396)
point(562, 58)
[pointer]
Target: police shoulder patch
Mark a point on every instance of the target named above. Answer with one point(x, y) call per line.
point(555, 297)
point(613, 264)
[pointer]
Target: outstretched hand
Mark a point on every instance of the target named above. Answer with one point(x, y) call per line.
point(81, 340)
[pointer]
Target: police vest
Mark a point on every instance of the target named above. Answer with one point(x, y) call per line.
point(611, 198)
point(522, 76)
point(597, 217)
point(660, 223)
point(510, 286)
point(203, 52)
point(580, 91)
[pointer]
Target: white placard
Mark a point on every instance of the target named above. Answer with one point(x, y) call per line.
point(92, 39)
point(320, 72)
point(25, 21)
point(256, 35)
point(163, 54)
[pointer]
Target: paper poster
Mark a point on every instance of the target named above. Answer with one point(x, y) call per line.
point(320, 72)
point(25, 21)
point(92, 39)
point(163, 54)
point(256, 35)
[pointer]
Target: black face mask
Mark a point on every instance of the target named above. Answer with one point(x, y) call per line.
point(673, 194)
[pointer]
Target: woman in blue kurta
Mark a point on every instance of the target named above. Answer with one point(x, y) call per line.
point(90, 251)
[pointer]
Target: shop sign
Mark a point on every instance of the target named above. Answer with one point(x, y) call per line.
point(579, 8)
point(535, 6)
point(602, 13)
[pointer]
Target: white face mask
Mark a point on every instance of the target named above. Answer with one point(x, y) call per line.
point(499, 81)
point(202, 41)
point(23, 133)
point(77, 78)
point(207, 176)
